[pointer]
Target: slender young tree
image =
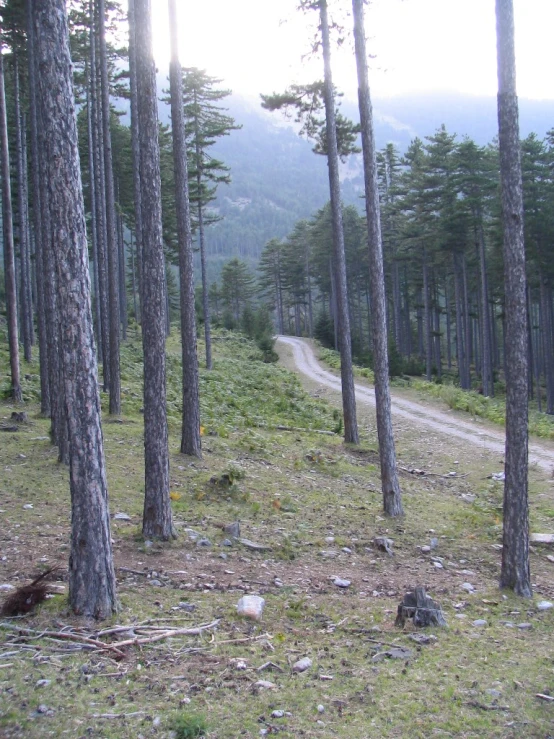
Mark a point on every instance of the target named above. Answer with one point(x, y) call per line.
point(392, 500)
point(205, 122)
point(515, 573)
point(25, 297)
point(135, 152)
point(157, 520)
point(37, 220)
point(111, 229)
point(190, 431)
point(9, 253)
point(92, 583)
point(339, 264)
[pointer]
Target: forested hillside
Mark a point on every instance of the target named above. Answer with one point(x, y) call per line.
point(277, 180)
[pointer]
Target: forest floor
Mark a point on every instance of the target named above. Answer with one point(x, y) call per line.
point(309, 509)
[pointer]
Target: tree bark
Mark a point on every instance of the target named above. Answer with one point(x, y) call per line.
point(190, 432)
point(25, 297)
point(135, 152)
point(157, 520)
point(515, 573)
point(111, 244)
point(339, 262)
point(93, 209)
point(40, 270)
point(92, 583)
point(100, 201)
point(9, 252)
point(392, 499)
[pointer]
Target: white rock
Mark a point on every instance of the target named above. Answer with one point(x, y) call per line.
point(6, 586)
point(28, 506)
point(480, 622)
point(251, 606)
point(302, 665)
point(122, 517)
point(545, 605)
point(321, 708)
point(340, 583)
point(468, 587)
point(264, 684)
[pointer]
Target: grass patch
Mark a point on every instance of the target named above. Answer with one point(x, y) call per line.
point(314, 504)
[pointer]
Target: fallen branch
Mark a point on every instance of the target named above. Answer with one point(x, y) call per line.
point(304, 431)
point(165, 635)
point(484, 707)
point(245, 639)
point(118, 715)
point(542, 696)
point(77, 638)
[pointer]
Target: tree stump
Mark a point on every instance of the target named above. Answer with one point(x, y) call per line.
point(421, 608)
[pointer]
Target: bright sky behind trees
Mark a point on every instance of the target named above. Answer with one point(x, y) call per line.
point(420, 45)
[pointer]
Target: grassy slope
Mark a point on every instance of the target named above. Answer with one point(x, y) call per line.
point(293, 491)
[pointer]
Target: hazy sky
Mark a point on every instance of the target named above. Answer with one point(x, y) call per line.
point(419, 45)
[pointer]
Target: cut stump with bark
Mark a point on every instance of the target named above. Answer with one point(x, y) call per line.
point(421, 608)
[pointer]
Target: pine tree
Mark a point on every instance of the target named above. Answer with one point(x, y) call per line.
point(92, 583)
point(515, 573)
point(392, 501)
point(205, 123)
point(190, 435)
point(157, 519)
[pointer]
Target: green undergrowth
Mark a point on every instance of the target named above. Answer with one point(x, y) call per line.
point(314, 505)
point(492, 409)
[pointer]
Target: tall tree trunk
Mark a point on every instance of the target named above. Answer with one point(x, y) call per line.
point(135, 151)
point(202, 247)
point(437, 330)
point(547, 331)
point(157, 521)
point(111, 244)
point(310, 299)
point(190, 429)
point(392, 500)
point(397, 308)
point(40, 270)
point(100, 199)
point(467, 320)
point(122, 291)
point(343, 320)
point(25, 298)
point(448, 326)
point(93, 211)
point(9, 252)
point(428, 319)
point(515, 572)
point(486, 354)
point(92, 583)
point(133, 278)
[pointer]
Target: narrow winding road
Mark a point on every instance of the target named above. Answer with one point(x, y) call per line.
point(486, 437)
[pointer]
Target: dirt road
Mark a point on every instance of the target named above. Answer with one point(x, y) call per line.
point(485, 437)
